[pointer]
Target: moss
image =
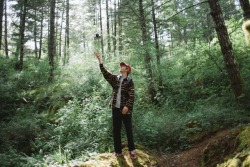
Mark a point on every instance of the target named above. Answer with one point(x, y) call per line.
point(246, 162)
point(244, 138)
point(108, 159)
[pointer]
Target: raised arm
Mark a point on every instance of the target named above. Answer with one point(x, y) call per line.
point(107, 75)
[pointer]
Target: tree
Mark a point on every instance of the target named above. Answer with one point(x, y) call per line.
point(21, 32)
point(147, 58)
point(35, 34)
point(100, 19)
point(108, 29)
point(120, 27)
point(245, 6)
point(41, 33)
point(157, 47)
point(67, 29)
point(51, 42)
point(5, 30)
point(1, 21)
point(227, 49)
point(60, 33)
point(115, 27)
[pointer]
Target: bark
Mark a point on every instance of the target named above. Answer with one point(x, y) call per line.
point(67, 31)
point(120, 28)
point(245, 6)
point(22, 35)
point(60, 34)
point(155, 34)
point(6, 31)
point(108, 29)
point(1, 21)
point(227, 49)
point(41, 35)
point(51, 42)
point(157, 47)
point(100, 14)
point(56, 32)
point(35, 35)
point(115, 27)
point(147, 58)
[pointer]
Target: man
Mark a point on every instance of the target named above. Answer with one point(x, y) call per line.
point(122, 105)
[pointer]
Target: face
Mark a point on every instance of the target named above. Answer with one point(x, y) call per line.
point(123, 69)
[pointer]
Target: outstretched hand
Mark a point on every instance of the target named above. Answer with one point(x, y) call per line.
point(99, 57)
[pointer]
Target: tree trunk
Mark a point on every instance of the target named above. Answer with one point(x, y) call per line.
point(245, 6)
point(56, 32)
point(226, 48)
point(22, 35)
point(115, 27)
point(147, 58)
point(60, 34)
point(120, 28)
point(35, 35)
point(67, 31)
point(1, 21)
point(155, 33)
point(6, 31)
point(41, 35)
point(157, 47)
point(51, 42)
point(100, 12)
point(108, 29)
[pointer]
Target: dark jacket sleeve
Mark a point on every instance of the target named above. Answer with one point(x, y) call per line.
point(131, 96)
point(107, 75)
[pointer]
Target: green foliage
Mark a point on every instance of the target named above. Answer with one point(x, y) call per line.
point(81, 128)
point(45, 124)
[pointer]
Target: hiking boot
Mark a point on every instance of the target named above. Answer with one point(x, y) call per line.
point(132, 154)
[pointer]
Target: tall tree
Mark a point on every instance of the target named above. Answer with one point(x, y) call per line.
point(147, 58)
point(21, 33)
point(51, 42)
point(35, 34)
point(226, 48)
point(1, 21)
point(115, 27)
point(155, 33)
point(100, 18)
point(5, 30)
point(245, 6)
point(120, 26)
point(67, 29)
point(108, 28)
point(157, 47)
point(41, 33)
point(60, 33)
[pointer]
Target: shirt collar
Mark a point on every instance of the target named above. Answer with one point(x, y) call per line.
point(119, 77)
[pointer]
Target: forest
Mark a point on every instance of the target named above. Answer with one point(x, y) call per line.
point(190, 62)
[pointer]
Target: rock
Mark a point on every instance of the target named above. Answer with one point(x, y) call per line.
point(108, 159)
point(246, 162)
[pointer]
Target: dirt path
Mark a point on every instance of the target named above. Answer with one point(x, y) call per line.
point(193, 156)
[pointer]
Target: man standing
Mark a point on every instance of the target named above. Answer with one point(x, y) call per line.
point(122, 104)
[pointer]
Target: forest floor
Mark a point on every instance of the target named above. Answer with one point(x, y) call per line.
point(196, 155)
point(208, 152)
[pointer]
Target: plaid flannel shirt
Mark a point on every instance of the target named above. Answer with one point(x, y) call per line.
point(127, 92)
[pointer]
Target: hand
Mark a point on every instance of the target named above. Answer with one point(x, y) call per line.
point(124, 110)
point(99, 57)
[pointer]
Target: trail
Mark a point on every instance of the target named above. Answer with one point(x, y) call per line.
point(193, 157)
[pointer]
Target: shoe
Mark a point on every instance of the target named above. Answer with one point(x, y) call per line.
point(117, 154)
point(132, 154)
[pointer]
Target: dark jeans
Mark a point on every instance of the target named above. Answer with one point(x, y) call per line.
point(118, 118)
